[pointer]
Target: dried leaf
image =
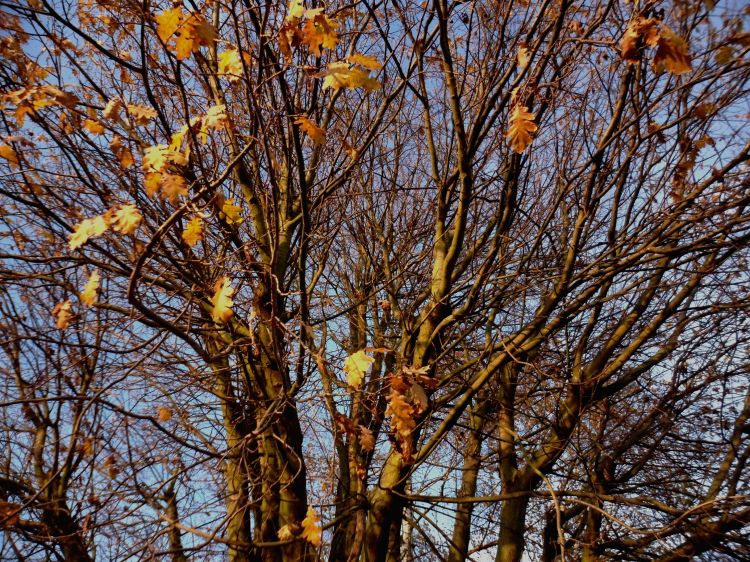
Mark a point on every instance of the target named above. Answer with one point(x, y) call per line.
point(317, 134)
point(672, 53)
point(141, 114)
point(640, 32)
point(363, 60)
point(8, 153)
point(230, 65)
point(93, 127)
point(62, 314)
point(520, 129)
point(523, 55)
point(285, 533)
point(173, 186)
point(366, 439)
point(164, 414)
point(342, 75)
point(222, 301)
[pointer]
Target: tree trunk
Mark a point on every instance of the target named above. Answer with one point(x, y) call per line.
point(512, 530)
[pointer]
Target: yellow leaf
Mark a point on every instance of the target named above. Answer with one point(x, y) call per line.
point(672, 53)
point(167, 23)
point(123, 153)
point(222, 301)
point(127, 219)
point(141, 114)
point(86, 229)
point(363, 60)
point(62, 314)
point(156, 158)
point(193, 232)
point(215, 118)
point(521, 126)
point(319, 31)
point(341, 75)
point(312, 531)
point(317, 134)
point(8, 153)
point(231, 212)
point(355, 367)
point(230, 65)
point(285, 533)
point(90, 291)
point(93, 127)
point(296, 10)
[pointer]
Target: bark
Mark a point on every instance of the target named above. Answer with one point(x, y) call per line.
point(175, 540)
point(512, 530)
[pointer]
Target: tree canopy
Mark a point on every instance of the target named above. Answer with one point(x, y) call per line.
point(378, 281)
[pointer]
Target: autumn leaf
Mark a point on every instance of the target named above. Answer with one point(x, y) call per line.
point(157, 158)
point(112, 109)
point(230, 65)
point(123, 153)
point(126, 219)
point(672, 53)
point(172, 187)
point(141, 114)
point(222, 301)
point(366, 439)
point(355, 367)
point(93, 127)
point(231, 212)
point(312, 531)
point(724, 55)
point(167, 23)
point(402, 420)
point(8, 153)
point(90, 291)
point(62, 314)
point(295, 10)
point(86, 229)
point(521, 126)
point(215, 118)
point(10, 514)
point(317, 134)
point(164, 414)
point(363, 60)
point(523, 55)
point(285, 533)
point(193, 232)
point(341, 75)
point(640, 32)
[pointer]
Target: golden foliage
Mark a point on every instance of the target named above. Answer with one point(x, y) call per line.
point(355, 367)
point(93, 127)
point(184, 34)
point(231, 212)
point(141, 114)
point(230, 64)
point(86, 229)
point(90, 291)
point(62, 314)
point(366, 439)
point(671, 50)
point(312, 531)
point(193, 232)
point(672, 53)
point(342, 75)
point(126, 219)
point(222, 301)
point(8, 153)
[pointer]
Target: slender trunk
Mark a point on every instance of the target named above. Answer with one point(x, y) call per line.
point(459, 547)
point(175, 540)
point(385, 511)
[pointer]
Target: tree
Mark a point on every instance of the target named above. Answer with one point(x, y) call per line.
point(374, 281)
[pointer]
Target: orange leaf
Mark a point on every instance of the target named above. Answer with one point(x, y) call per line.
point(521, 126)
point(127, 219)
point(62, 314)
point(672, 53)
point(317, 134)
point(312, 531)
point(87, 228)
point(193, 232)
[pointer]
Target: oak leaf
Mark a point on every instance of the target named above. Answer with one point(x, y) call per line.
point(93, 127)
point(520, 129)
point(672, 53)
point(8, 153)
point(230, 64)
point(141, 114)
point(222, 301)
point(231, 212)
point(355, 367)
point(167, 23)
point(363, 60)
point(640, 32)
point(285, 533)
point(90, 291)
point(172, 187)
point(193, 232)
point(366, 439)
